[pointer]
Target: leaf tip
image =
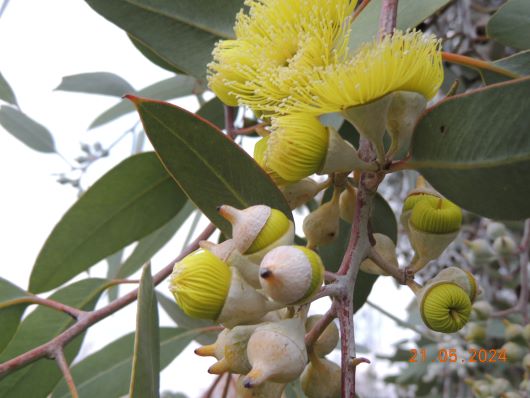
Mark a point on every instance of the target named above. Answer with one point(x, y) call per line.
point(134, 99)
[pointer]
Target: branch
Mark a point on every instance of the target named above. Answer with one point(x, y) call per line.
point(87, 319)
point(387, 18)
point(65, 369)
point(73, 312)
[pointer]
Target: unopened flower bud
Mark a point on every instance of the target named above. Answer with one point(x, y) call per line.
point(347, 203)
point(265, 390)
point(476, 333)
point(321, 379)
point(276, 352)
point(291, 274)
point(327, 341)
point(482, 309)
point(514, 351)
point(300, 192)
point(481, 252)
point(386, 248)
point(513, 332)
point(322, 225)
point(495, 230)
point(505, 246)
point(234, 356)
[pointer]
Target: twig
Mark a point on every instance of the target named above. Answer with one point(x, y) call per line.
point(73, 312)
point(477, 63)
point(248, 130)
point(330, 276)
point(319, 327)
point(360, 9)
point(208, 394)
point(387, 18)
point(65, 369)
point(230, 117)
point(399, 274)
point(87, 319)
point(399, 321)
point(227, 385)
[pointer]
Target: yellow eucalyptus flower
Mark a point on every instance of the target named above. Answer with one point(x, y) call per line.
point(407, 61)
point(278, 39)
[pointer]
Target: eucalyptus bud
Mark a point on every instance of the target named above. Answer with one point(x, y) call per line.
point(475, 333)
point(386, 248)
point(513, 332)
point(347, 202)
point(265, 390)
point(495, 230)
point(234, 357)
point(505, 246)
point(329, 338)
point(514, 352)
point(291, 274)
point(481, 252)
point(321, 379)
point(276, 352)
point(322, 225)
point(300, 192)
point(482, 309)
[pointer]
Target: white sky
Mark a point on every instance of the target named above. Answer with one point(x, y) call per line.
point(41, 41)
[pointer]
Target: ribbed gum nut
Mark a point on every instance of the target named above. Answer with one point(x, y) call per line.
point(341, 156)
point(259, 156)
point(347, 202)
point(462, 278)
point(444, 307)
point(291, 274)
point(234, 358)
point(300, 192)
point(413, 197)
point(243, 305)
point(227, 252)
point(436, 216)
point(475, 333)
point(386, 248)
point(255, 227)
point(514, 351)
point(216, 349)
point(404, 110)
point(322, 225)
point(321, 379)
point(200, 284)
point(264, 390)
point(276, 352)
point(370, 121)
point(495, 230)
point(297, 146)
point(329, 338)
point(482, 309)
point(505, 246)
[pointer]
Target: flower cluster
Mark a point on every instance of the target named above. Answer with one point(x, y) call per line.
point(291, 63)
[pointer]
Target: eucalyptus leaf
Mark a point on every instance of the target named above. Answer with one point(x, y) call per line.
point(410, 14)
point(6, 92)
point(207, 165)
point(148, 246)
point(10, 315)
point(181, 33)
point(152, 56)
point(106, 372)
point(214, 112)
point(129, 202)
point(38, 379)
point(173, 87)
point(474, 148)
point(103, 83)
point(510, 25)
point(145, 375)
point(114, 264)
point(26, 130)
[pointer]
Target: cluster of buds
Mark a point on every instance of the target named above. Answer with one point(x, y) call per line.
point(244, 283)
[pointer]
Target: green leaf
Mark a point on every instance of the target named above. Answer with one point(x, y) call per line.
point(103, 83)
point(132, 200)
point(174, 87)
point(6, 92)
point(10, 315)
point(510, 25)
point(106, 373)
point(383, 221)
point(410, 14)
point(25, 129)
point(152, 56)
point(147, 247)
point(145, 375)
point(214, 112)
point(518, 63)
point(114, 264)
point(38, 379)
point(185, 322)
point(207, 165)
point(474, 148)
point(181, 33)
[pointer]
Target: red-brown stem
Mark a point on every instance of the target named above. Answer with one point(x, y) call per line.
point(477, 63)
point(319, 327)
point(73, 312)
point(227, 385)
point(248, 130)
point(387, 17)
point(230, 117)
point(347, 342)
point(65, 369)
point(360, 9)
point(330, 276)
point(210, 391)
point(87, 319)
